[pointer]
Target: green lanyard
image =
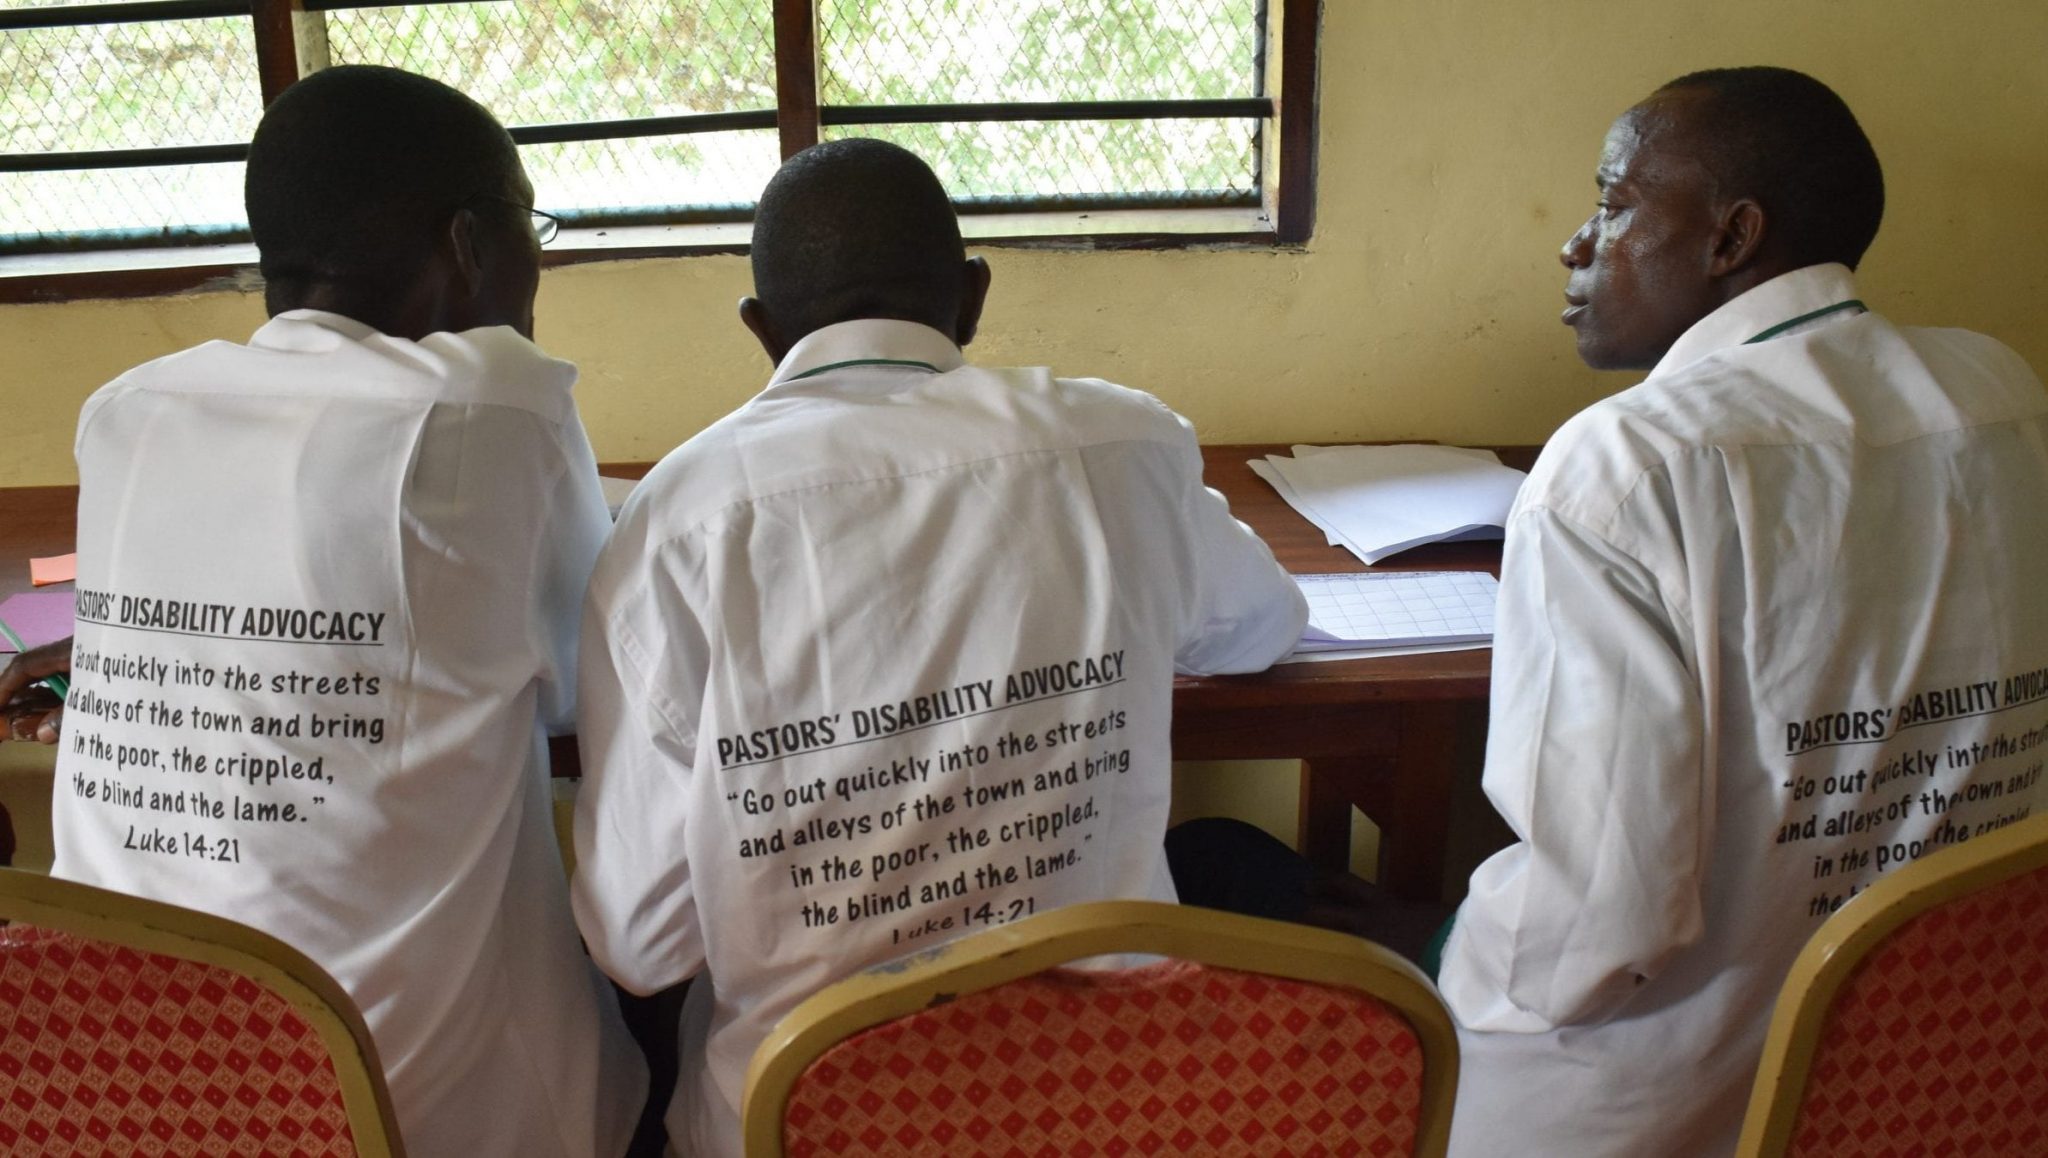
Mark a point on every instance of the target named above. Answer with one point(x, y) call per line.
point(860, 362)
point(1802, 319)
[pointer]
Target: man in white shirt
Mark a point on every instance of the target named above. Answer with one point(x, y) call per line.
point(328, 595)
point(1770, 626)
point(885, 656)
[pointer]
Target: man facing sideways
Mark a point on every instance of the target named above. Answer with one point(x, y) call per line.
point(1770, 626)
point(885, 656)
point(328, 593)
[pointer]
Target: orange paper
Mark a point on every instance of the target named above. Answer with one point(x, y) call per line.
point(56, 569)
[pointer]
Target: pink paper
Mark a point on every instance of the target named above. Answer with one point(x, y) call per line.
point(55, 569)
point(38, 618)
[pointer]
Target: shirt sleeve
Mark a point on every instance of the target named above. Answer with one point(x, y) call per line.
point(632, 891)
point(570, 538)
point(1243, 611)
point(1595, 758)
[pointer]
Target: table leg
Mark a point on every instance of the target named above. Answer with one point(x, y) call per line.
point(1415, 839)
point(1329, 787)
point(1408, 795)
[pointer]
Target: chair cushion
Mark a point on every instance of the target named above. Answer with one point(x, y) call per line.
point(104, 1049)
point(1935, 1044)
point(1171, 1058)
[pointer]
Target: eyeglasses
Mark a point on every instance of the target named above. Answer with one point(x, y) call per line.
point(545, 225)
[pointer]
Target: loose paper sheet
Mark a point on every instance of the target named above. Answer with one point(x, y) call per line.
point(1378, 500)
point(55, 569)
point(616, 491)
point(39, 618)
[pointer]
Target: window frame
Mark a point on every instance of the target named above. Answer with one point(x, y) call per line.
point(290, 41)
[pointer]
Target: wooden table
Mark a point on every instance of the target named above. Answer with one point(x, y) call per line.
point(1387, 735)
point(35, 523)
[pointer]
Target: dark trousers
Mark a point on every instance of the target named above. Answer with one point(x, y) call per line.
point(1220, 863)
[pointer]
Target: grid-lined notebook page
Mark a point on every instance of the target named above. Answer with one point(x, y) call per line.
point(1397, 608)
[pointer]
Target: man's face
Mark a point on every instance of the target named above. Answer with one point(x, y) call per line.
point(511, 256)
point(1640, 266)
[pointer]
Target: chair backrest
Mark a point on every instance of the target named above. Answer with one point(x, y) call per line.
point(128, 1026)
point(1916, 1019)
point(1254, 1037)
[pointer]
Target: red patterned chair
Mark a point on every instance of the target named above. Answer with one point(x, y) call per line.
point(1915, 1022)
point(1253, 1038)
point(129, 1027)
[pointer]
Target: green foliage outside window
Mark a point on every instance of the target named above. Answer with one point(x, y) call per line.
point(535, 62)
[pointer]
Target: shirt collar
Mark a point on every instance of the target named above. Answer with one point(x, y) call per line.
point(305, 329)
point(869, 340)
point(1780, 300)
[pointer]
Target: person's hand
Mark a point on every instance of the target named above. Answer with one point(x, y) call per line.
point(33, 713)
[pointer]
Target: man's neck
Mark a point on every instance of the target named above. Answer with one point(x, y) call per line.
point(1750, 276)
point(395, 311)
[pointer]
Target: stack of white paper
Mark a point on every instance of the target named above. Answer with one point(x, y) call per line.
point(616, 491)
point(1378, 500)
point(1395, 613)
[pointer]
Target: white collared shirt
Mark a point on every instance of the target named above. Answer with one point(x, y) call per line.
point(1755, 613)
point(328, 593)
point(885, 657)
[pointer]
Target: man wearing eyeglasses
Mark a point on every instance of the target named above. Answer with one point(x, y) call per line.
point(328, 594)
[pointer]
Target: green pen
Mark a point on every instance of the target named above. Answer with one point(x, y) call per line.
point(55, 683)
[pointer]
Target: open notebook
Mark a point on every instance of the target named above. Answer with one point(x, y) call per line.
point(1396, 612)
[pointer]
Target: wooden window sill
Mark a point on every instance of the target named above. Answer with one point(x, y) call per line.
point(131, 273)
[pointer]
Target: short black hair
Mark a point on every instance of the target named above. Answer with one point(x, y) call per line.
point(353, 170)
point(856, 228)
point(1787, 140)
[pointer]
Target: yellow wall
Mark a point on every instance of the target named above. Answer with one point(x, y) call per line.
point(1458, 141)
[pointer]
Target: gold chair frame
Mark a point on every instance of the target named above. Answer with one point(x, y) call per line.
point(1843, 942)
point(994, 956)
point(153, 927)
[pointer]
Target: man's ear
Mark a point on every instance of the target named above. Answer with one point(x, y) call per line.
point(974, 278)
point(1738, 238)
point(443, 294)
point(755, 317)
point(464, 257)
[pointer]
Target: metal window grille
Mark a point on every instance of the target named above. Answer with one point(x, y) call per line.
point(1137, 101)
point(126, 123)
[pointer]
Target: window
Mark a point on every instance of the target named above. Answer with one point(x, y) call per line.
point(126, 123)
